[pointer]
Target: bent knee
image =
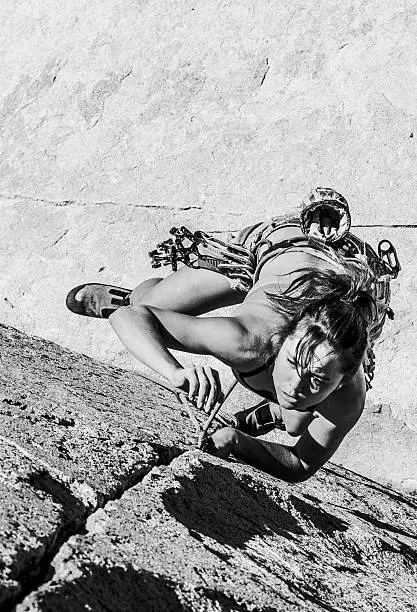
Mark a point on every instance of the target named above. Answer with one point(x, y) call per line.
point(142, 293)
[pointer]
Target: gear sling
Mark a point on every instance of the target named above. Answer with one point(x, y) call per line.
point(242, 258)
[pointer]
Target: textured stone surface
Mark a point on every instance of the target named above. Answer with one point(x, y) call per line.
point(120, 119)
point(381, 448)
point(207, 104)
point(74, 433)
point(199, 534)
point(205, 535)
point(100, 427)
point(37, 513)
point(396, 358)
point(117, 117)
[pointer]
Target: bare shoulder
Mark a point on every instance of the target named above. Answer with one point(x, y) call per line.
point(263, 324)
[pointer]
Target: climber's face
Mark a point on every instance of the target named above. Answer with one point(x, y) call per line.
point(300, 387)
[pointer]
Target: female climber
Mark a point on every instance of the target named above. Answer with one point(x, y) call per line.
point(311, 300)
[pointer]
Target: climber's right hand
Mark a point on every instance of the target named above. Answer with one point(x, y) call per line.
point(200, 383)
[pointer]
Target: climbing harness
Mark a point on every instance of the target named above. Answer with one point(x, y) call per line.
point(243, 257)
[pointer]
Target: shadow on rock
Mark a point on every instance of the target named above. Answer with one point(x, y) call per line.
point(43, 481)
point(395, 496)
point(384, 525)
point(229, 604)
point(112, 589)
point(232, 509)
point(317, 517)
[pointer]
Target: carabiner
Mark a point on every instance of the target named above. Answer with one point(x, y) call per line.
point(388, 255)
point(173, 254)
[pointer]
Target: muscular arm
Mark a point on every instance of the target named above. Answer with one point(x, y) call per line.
point(148, 333)
point(278, 460)
point(313, 449)
point(164, 316)
point(291, 463)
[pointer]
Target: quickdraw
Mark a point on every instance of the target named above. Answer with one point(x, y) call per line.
point(171, 251)
point(200, 250)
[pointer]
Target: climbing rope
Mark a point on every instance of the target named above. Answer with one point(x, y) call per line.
point(202, 429)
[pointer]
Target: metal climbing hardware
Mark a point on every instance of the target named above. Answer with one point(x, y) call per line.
point(201, 250)
point(243, 264)
point(173, 250)
point(388, 254)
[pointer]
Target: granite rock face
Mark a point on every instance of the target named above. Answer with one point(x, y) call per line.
point(37, 513)
point(105, 506)
point(183, 104)
point(203, 535)
point(74, 433)
point(122, 118)
point(88, 421)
